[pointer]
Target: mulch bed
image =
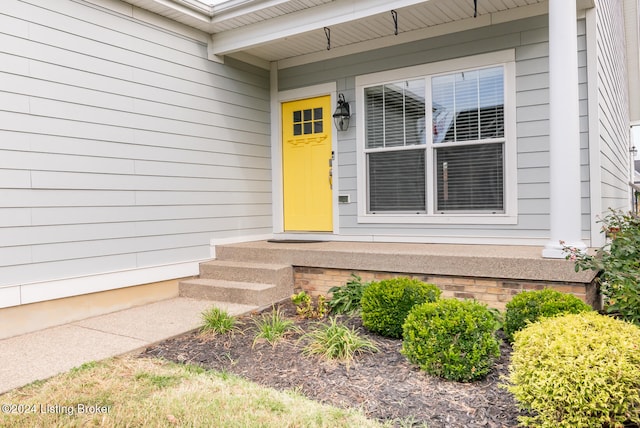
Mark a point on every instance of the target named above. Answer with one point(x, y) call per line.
point(384, 385)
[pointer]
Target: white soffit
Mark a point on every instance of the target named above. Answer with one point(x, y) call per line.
point(292, 31)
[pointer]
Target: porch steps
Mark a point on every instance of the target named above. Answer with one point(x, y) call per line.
point(238, 281)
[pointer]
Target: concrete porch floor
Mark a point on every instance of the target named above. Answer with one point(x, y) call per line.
point(490, 273)
point(488, 261)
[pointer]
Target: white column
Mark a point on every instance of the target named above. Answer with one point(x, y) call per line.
point(564, 130)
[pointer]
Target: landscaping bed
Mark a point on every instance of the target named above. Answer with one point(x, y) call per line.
point(384, 384)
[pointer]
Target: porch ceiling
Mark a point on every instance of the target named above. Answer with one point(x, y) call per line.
point(277, 30)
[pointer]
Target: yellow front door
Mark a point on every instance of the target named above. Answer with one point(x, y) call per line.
point(306, 165)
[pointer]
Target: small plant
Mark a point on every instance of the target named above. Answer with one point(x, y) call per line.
point(498, 317)
point(335, 341)
point(305, 307)
point(452, 339)
point(530, 306)
point(217, 321)
point(577, 370)
point(619, 264)
point(273, 327)
point(385, 304)
point(346, 299)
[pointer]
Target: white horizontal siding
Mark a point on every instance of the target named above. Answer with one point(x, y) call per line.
point(81, 215)
point(121, 146)
point(613, 105)
point(60, 269)
point(75, 181)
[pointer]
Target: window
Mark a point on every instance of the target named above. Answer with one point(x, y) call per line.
point(307, 121)
point(468, 140)
point(456, 166)
point(396, 175)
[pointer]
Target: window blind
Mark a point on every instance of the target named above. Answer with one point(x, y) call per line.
point(470, 178)
point(397, 181)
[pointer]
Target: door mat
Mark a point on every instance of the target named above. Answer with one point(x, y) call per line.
point(293, 241)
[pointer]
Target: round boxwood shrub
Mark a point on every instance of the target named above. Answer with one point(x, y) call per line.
point(530, 306)
point(452, 339)
point(385, 304)
point(577, 370)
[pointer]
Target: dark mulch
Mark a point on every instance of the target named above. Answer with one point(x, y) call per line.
point(384, 384)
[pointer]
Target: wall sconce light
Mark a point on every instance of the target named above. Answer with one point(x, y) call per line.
point(342, 115)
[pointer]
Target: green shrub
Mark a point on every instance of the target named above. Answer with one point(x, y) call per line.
point(452, 339)
point(577, 370)
point(335, 341)
point(305, 307)
point(346, 299)
point(385, 304)
point(619, 264)
point(530, 306)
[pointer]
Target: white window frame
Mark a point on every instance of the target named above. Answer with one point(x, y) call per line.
point(504, 58)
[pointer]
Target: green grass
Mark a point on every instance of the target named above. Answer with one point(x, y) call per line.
point(139, 392)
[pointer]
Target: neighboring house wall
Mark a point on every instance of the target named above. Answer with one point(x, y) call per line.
point(122, 148)
point(613, 103)
point(529, 38)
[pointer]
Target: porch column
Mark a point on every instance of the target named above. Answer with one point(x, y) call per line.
point(564, 130)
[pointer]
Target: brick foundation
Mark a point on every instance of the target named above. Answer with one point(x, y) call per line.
point(494, 292)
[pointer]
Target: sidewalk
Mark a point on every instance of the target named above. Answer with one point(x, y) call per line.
point(42, 354)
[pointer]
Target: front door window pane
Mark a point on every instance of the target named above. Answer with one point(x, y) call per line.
point(308, 121)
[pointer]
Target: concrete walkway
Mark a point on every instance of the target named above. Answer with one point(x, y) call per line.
point(42, 354)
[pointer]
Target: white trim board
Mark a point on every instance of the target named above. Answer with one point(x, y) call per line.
point(49, 290)
point(595, 173)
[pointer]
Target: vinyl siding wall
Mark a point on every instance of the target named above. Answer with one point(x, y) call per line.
point(121, 146)
point(613, 105)
point(529, 38)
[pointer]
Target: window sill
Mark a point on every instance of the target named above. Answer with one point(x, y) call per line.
point(438, 219)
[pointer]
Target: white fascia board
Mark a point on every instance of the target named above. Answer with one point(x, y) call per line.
point(194, 9)
point(334, 13)
point(235, 8)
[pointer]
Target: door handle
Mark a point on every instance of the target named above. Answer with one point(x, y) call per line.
point(331, 178)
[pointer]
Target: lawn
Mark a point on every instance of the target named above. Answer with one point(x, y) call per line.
point(130, 391)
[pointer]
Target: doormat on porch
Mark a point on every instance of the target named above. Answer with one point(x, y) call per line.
point(293, 241)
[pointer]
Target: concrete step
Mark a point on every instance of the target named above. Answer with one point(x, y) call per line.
point(249, 254)
point(237, 281)
point(280, 275)
point(245, 293)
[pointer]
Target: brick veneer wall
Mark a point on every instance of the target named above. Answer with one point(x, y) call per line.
point(494, 292)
